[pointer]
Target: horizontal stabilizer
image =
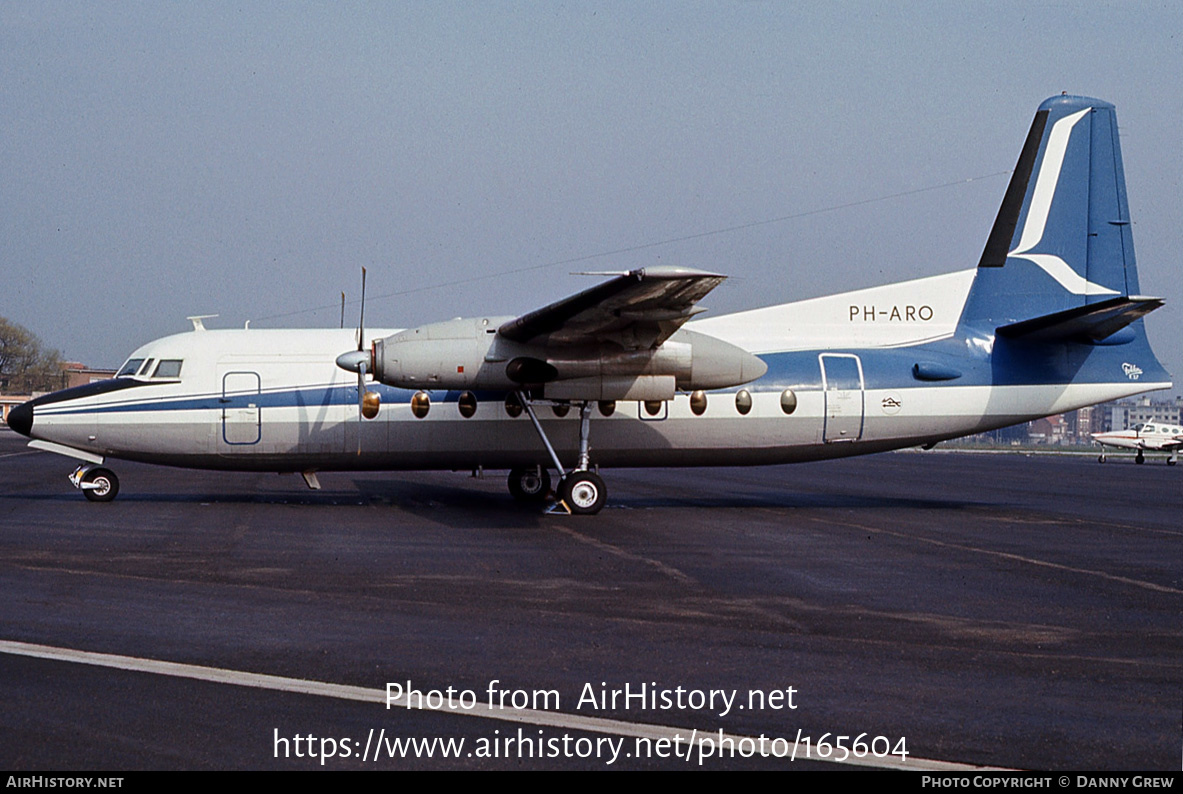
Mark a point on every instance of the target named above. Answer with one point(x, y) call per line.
point(1094, 322)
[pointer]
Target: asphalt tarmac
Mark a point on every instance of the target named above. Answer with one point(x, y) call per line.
point(967, 609)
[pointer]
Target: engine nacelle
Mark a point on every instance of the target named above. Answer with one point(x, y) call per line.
point(447, 355)
point(716, 364)
point(469, 354)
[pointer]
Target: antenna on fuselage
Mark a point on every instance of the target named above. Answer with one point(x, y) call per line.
point(196, 319)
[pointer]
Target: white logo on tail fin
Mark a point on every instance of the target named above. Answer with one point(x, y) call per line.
point(1132, 371)
point(1041, 204)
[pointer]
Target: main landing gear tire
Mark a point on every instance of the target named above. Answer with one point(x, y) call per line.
point(104, 485)
point(530, 484)
point(583, 492)
point(1140, 458)
point(1100, 459)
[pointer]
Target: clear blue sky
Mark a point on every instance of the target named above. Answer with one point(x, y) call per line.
point(161, 160)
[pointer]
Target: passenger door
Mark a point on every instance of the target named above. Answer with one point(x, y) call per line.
point(842, 381)
point(241, 417)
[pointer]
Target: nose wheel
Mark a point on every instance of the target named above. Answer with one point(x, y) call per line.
point(97, 484)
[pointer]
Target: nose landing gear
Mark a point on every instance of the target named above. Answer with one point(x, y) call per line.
point(96, 483)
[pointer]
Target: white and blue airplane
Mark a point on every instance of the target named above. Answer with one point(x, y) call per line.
point(1151, 436)
point(618, 375)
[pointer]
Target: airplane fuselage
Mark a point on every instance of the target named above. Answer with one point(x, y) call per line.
point(274, 400)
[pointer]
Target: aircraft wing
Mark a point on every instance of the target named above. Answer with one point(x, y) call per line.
point(637, 310)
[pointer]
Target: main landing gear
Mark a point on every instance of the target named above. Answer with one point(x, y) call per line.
point(1140, 458)
point(530, 484)
point(580, 491)
point(96, 483)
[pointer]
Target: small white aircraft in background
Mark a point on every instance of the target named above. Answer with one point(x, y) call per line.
point(1152, 436)
point(1049, 321)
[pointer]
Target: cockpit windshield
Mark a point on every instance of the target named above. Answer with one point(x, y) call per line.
point(168, 368)
point(151, 369)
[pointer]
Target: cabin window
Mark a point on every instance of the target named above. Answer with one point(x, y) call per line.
point(168, 368)
point(420, 404)
point(130, 368)
point(467, 404)
point(743, 401)
point(788, 401)
point(698, 402)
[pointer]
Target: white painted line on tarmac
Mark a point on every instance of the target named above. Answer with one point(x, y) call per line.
point(1006, 555)
point(542, 718)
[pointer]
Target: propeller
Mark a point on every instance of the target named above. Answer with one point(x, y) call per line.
point(357, 361)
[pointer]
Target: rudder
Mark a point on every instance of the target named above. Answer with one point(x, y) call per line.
point(1062, 237)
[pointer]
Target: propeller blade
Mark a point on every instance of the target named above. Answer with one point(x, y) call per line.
point(361, 396)
point(358, 361)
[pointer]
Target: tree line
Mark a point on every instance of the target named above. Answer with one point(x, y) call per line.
point(25, 365)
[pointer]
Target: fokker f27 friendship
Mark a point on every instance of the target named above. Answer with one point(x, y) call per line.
point(619, 375)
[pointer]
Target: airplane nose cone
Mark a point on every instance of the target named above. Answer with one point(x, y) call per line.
point(20, 418)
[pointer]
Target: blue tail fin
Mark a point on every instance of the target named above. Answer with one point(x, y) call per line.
point(1062, 238)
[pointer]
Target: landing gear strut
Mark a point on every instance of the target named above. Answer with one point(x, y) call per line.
point(580, 490)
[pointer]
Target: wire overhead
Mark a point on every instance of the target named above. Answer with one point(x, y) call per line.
point(655, 244)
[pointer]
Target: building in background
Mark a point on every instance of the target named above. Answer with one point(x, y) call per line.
point(78, 374)
point(74, 374)
point(1128, 413)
